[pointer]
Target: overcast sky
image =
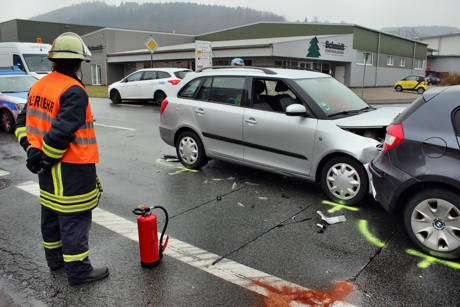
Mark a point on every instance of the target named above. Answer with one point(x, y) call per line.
point(369, 13)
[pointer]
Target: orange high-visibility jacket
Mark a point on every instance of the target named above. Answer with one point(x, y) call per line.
point(43, 106)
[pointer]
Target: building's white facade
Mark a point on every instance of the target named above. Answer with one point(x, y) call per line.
point(445, 55)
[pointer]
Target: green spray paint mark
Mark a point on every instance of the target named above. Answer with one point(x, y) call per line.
point(428, 260)
point(338, 207)
point(181, 168)
point(362, 225)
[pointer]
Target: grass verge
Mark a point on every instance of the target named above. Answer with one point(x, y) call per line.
point(97, 91)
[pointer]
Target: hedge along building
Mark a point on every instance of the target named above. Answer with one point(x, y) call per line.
point(337, 49)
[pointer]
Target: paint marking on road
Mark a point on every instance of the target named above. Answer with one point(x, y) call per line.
point(3, 172)
point(116, 127)
point(226, 269)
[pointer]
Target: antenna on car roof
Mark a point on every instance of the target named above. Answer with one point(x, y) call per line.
point(265, 70)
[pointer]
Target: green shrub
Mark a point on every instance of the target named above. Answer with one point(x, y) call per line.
point(97, 91)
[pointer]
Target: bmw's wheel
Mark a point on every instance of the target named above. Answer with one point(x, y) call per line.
point(398, 88)
point(432, 221)
point(7, 121)
point(190, 150)
point(115, 96)
point(159, 97)
point(420, 90)
point(344, 180)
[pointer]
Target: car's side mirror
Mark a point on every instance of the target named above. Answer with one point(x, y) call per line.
point(296, 109)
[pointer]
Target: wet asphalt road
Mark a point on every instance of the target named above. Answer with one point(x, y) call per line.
point(262, 220)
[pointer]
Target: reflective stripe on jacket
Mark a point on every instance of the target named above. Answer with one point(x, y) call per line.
point(43, 106)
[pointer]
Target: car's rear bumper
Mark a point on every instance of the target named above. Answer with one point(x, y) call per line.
point(167, 135)
point(388, 181)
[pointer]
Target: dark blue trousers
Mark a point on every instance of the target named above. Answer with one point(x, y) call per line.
point(65, 237)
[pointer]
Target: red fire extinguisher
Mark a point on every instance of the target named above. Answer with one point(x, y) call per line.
point(151, 249)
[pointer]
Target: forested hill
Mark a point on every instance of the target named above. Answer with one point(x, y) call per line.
point(421, 31)
point(186, 18)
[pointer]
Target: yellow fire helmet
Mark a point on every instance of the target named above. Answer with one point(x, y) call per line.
point(69, 45)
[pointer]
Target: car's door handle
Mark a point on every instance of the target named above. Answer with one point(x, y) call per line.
point(251, 120)
point(199, 111)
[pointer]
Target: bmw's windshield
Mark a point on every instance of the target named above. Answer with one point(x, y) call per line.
point(332, 96)
point(16, 84)
point(38, 63)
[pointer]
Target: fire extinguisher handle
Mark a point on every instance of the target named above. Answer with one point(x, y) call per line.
point(164, 229)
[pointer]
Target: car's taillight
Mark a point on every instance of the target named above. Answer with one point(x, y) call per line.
point(394, 136)
point(174, 82)
point(164, 104)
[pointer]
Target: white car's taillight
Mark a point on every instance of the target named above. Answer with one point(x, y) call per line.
point(394, 136)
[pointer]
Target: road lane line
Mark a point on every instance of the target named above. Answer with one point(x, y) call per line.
point(116, 127)
point(226, 269)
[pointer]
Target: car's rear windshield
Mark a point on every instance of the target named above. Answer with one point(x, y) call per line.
point(181, 74)
point(16, 84)
point(331, 95)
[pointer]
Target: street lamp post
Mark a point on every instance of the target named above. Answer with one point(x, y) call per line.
point(366, 55)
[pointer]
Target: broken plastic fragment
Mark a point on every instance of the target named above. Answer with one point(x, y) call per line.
point(251, 183)
point(333, 219)
point(320, 227)
point(216, 179)
point(234, 185)
point(262, 198)
point(240, 204)
point(170, 158)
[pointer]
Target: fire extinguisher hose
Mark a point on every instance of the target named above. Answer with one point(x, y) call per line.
point(163, 246)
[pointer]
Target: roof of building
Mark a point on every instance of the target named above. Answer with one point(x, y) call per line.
point(439, 36)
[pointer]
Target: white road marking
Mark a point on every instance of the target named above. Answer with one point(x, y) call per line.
point(130, 105)
point(116, 127)
point(3, 172)
point(226, 269)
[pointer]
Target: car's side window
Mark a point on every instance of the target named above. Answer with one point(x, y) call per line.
point(189, 90)
point(134, 77)
point(149, 75)
point(163, 75)
point(411, 78)
point(272, 95)
point(205, 90)
point(228, 90)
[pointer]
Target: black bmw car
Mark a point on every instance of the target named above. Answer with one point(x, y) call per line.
point(417, 174)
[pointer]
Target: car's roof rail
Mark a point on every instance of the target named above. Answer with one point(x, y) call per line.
point(265, 70)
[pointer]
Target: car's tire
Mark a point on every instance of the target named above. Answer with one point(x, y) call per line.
point(344, 180)
point(420, 90)
point(115, 96)
point(158, 97)
point(190, 150)
point(432, 221)
point(398, 88)
point(7, 121)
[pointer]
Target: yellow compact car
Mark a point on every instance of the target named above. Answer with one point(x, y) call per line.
point(412, 83)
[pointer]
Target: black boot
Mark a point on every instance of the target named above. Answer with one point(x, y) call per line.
point(95, 274)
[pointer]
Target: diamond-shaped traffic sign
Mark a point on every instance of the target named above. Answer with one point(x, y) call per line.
point(151, 44)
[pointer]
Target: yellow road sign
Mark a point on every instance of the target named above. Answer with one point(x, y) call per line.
point(151, 44)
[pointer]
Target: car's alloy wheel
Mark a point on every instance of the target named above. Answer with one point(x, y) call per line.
point(432, 219)
point(115, 96)
point(344, 180)
point(398, 88)
point(420, 90)
point(190, 150)
point(7, 121)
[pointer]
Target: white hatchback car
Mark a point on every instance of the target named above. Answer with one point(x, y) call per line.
point(292, 122)
point(146, 84)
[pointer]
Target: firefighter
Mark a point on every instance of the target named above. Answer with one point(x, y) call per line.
point(55, 128)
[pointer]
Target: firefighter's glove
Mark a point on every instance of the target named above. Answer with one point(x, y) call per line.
point(48, 162)
point(34, 159)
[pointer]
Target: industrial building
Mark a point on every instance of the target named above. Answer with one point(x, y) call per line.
point(444, 54)
point(353, 54)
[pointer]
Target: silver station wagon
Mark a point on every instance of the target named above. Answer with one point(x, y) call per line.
point(292, 122)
